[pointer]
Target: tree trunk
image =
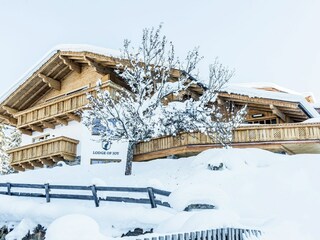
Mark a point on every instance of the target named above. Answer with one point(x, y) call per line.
point(131, 146)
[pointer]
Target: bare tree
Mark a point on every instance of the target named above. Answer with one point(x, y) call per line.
point(156, 78)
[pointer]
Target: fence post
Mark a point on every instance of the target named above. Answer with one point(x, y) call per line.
point(9, 188)
point(186, 236)
point(46, 188)
point(198, 235)
point(94, 194)
point(151, 197)
point(219, 233)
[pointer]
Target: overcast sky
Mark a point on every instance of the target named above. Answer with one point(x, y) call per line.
point(263, 40)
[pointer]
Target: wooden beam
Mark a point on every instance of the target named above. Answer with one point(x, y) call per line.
point(47, 162)
point(98, 67)
point(277, 112)
point(287, 150)
point(55, 84)
point(10, 110)
point(25, 131)
point(56, 158)
point(74, 117)
point(9, 120)
point(35, 95)
point(36, 163)
point(61, 121)
point(18, 168)
point(68, 157)
point(246, 100)
point(36, 128)
point(48, 125)
point(27, 165)
point(72, 65)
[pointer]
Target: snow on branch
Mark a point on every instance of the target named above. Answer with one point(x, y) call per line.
point(154, 104)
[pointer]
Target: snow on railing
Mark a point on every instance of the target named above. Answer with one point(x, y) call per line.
point(93, 193)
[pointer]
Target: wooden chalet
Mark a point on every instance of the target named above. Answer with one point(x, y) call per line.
point(46, 107)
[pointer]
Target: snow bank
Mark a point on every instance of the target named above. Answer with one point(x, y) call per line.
point(276, 193)
point(74, 227)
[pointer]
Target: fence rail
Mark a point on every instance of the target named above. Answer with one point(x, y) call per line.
point(93, 190)
point(214, 234)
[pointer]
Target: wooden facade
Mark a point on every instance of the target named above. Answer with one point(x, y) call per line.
point(56, 92)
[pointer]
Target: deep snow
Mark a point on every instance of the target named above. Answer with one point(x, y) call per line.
point(256, 189)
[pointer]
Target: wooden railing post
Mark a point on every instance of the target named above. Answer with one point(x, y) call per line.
point(152, 197)
point(95, 196)
point(9, 188)
point(47, 190)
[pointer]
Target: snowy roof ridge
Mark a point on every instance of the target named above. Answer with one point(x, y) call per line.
point(260, 93)
point(268, 85)
point(53, 51)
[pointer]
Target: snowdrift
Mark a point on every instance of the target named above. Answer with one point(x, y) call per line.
point(251, 188)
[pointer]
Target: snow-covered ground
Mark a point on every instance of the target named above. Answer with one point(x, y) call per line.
point(256, 189)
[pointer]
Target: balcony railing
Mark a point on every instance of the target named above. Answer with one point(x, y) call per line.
point(244, 136)
point(59, 110)
point(43, 153)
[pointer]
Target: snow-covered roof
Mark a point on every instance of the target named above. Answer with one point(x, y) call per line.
point(52, 52)
point(250, 91)
point(260, 85)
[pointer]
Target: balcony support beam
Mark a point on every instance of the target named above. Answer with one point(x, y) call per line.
point(47, 162)
point(56, 159)
point(48, 125)
point(27, 165)
point(72, 65)
point(36, 164)
point(36, 128)
point(68, 157)
point(18, 168)
point(61, 121)
point(25, 131)
point(74, 117)
point(55, 84)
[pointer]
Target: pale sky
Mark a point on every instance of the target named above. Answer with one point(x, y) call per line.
point(263, 40)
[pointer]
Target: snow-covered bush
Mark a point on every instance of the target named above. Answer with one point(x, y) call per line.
point(159, 99)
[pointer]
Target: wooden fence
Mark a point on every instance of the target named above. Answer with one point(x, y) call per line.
point(93, 193)
point(214, 234)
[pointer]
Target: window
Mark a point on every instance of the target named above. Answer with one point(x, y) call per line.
point(40, 138)
point(103, 161)
point(263, 121)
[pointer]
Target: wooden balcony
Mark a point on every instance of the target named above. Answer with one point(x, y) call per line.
point(59, 110)
point(290, 138)
point(43, 153)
